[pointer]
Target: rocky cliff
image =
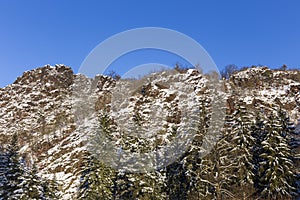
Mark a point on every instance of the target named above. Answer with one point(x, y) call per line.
point(44, 107)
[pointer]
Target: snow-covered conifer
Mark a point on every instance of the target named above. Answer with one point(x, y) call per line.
point(276, 168)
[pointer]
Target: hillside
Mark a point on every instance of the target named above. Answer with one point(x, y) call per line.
point(69, 126)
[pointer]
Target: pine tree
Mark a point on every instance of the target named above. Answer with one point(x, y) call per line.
point(192, 161)
point(289, 132)
point(121, 186)
point(295, 145)
point(146, 185)
point(13, 174)
point(20, 182)
point(50, 188)
point(3, 170)
point(96, 180)
point(155, 187)
point(243, 142)
point(259, 134)
point(31, 185)
point(276, 167)
point(177, 181)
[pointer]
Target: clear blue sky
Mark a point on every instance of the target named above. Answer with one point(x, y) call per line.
point(241, 32)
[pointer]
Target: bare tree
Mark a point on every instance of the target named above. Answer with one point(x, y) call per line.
point(114, 75)
point(228, 71)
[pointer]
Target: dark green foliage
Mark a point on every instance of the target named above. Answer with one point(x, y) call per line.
point(17, 180)
point(139, 185)
point(14, 172)
point(121, 188)
point(177, 181)
point(242, 142)
point(96, 180)
point(3, 169)
point(31, 185)
point(50, 189)
point(252, 159)
point(259, 134)
point(277, 173)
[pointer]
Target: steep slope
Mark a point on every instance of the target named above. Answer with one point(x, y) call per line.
point(38, 106)
point(54, 113)
point(262, 87)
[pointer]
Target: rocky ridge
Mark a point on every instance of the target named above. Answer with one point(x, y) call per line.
point(39, 107)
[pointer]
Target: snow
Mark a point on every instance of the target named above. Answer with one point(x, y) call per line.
point(60, 159)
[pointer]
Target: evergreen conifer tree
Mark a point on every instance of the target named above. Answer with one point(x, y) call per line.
point(3, 170)
point(96, 180)
point(122, 184)
point(177, 181)
point(243, 143)
point(31, 185)
point(50, 189)
point(14, 173)
point(259, 134)
point(276, 167)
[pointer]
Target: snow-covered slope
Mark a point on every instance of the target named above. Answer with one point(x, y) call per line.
point(46, 107)
point(260, 86)
point(42, 107)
